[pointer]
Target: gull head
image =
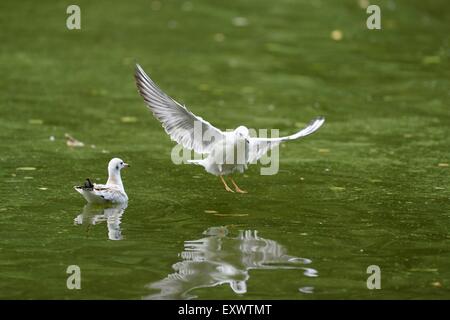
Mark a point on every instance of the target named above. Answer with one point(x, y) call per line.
point(242, 132)
point(116, 164)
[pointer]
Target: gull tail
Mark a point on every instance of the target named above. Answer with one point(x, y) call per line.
point(86, 186)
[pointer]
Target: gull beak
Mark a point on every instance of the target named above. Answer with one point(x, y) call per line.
point(126, 165)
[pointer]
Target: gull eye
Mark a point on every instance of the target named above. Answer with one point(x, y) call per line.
point(121, 163)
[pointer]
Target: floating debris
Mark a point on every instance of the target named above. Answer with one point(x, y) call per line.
point(72, 142)
point(431, 60)
point(28, 178)
point(323, 150)
point(423, 270)
point(231, 214)
point(363, 4)
point(337, 188)
point(128, 119)
point(156, 5)
point(203, 87)
point(437, 284)
point(51, 138)
point(187, 6)
point(219, 37)
point(443, 165)
point(172, 24)
point(35, 121)
point(337, 35)
point(26, 168)
point(105, 151)
point(99, 92)
point(43, 188)
point(211, 211)
point(240, 21)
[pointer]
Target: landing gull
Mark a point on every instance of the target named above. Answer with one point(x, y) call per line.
point(184, 127)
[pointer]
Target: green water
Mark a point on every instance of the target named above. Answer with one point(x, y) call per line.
point(371, 187)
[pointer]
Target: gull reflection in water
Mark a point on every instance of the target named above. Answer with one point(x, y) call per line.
point(112, 215)
point(220, 259)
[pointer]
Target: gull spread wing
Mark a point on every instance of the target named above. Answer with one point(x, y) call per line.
point(259, 146)
point(177, 120)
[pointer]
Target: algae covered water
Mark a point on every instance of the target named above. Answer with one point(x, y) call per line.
point(370, 188)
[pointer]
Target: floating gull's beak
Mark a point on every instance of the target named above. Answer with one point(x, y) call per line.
point(126, 165)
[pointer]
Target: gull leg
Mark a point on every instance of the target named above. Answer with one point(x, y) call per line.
point(239, 190)
point(225, 185)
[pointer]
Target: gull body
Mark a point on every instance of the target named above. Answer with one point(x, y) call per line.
point(225, 158)
point(219, 147)
point(111, 192)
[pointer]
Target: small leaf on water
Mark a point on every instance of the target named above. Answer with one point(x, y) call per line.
point(363, 4)
point(337, 35)
point(219, 37)
point(423, 270)
point(128, 119)
point(431, 60)
point(26, 168)
point(35, 121)
point(337, 188)
point(211, 211)
point(43, 188)
point(443, 165)
point(324, 150)
point(231, 214)
point(72, 142)
point(240, 21)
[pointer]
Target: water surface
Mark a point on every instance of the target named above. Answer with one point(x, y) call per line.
point(370, 188)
